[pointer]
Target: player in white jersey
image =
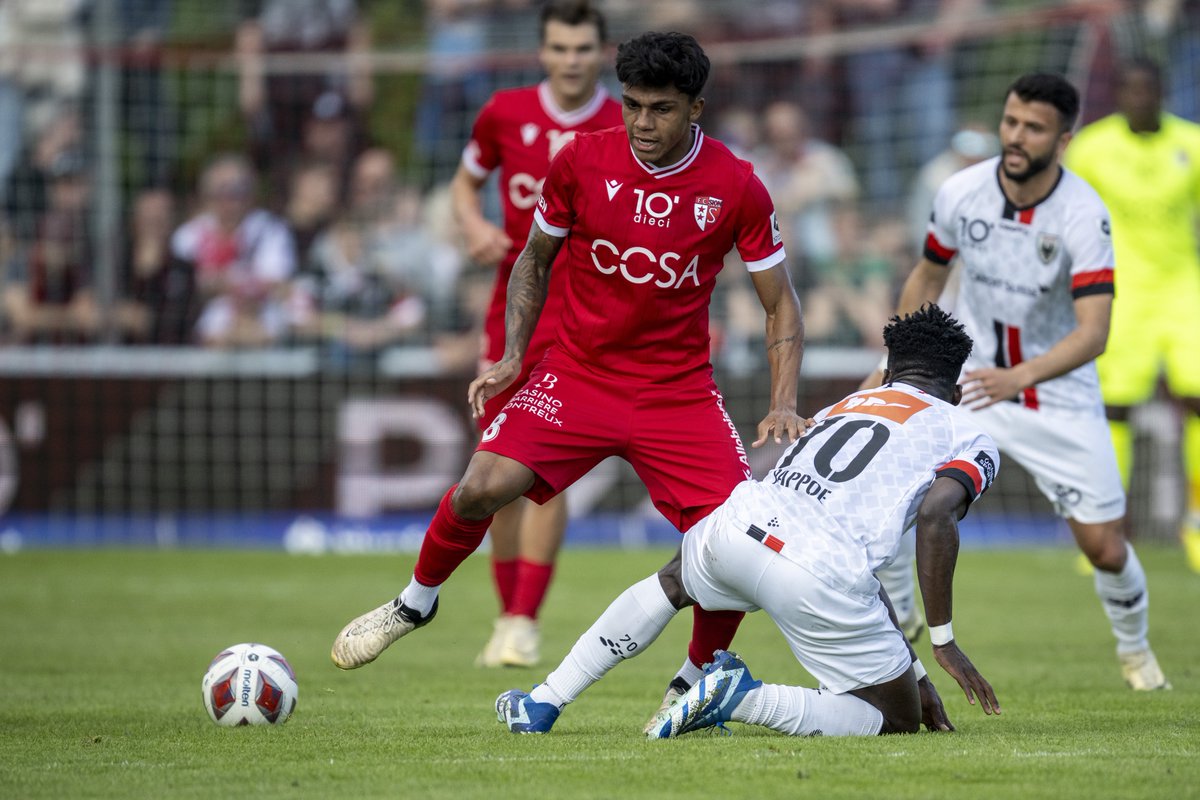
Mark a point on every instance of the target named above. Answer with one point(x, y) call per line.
point(1035, 294)
point(802, 544)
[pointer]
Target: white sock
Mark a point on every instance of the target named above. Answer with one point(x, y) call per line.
point(624, 630)
point(1126, 600)
point(689, 672)
point(419, 597)
point(808, 712)
point(898, 579)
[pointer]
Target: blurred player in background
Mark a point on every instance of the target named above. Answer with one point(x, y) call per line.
point(519, 132)
point(1036, 292)
point(646, 216)
point(1145, 165)
point(801, 544)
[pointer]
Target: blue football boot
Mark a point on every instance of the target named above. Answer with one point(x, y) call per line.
point(522, 715)
point(710, 703)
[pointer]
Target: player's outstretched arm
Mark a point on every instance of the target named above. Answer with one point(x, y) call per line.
point(973, 684)
point(933, 713)
point(984, 387)
point(526, 295)
point(487, 244)
point(785, 351)
point(937, 553)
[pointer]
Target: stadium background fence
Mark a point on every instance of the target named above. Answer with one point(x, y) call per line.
point(112, 440)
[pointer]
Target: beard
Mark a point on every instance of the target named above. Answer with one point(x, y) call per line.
point(1036, 166)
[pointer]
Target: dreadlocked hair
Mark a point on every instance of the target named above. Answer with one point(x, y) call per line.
point(927, 342)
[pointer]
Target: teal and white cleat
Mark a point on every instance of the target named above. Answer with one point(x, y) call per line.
point(520, 714)
point(710, 703)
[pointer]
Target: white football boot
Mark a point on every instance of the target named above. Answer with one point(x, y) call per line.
point(521, 646)
point(489, 657)
point(675, 690)
point(1141, 671)
point(361, 641)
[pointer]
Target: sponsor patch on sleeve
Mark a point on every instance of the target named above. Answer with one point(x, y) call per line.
point(987, 466)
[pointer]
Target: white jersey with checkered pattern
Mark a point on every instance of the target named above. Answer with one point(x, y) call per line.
point(842, 495)
point(1022, 270)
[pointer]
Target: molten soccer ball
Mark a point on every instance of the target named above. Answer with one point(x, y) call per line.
point(249, 684)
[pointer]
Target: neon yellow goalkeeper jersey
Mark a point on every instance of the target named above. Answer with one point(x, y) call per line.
point(1151, 186)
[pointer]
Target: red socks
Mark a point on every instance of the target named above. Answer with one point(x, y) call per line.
point(711, 630)
point(504, 576)
point(533, 580)
point(448, 542)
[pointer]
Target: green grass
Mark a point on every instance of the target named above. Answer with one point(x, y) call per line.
point(101, 655)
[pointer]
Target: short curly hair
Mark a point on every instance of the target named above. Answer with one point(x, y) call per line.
point(927, 342)
point(658, 60)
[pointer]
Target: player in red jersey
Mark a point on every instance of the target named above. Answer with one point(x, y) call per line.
point(646, 216)
point(518, 132)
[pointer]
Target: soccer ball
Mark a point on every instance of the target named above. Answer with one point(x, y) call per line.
point(249, 684)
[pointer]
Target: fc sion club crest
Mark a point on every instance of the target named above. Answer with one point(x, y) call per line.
point(707, 210)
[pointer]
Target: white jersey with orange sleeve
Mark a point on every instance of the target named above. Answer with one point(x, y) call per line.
point(1022, 269)
point(842, 495)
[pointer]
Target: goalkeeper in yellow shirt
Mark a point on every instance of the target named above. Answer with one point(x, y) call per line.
point(1145, 164)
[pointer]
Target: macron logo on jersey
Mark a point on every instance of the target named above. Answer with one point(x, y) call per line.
point(612, 187)
point(529, 133)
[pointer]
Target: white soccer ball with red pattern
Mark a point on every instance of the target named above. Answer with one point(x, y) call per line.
point(249, 684)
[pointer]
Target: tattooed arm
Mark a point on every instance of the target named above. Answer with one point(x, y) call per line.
point(785, 350)
point(526, 296)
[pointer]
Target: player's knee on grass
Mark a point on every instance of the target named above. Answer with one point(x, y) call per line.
point(898, 700)
point(900, 715)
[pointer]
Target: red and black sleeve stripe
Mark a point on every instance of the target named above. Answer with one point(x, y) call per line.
point(936, 252)
point(965, 473)
point(1098, 281)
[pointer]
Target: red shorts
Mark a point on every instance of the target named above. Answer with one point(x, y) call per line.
point(492, 407)
point(679, 439)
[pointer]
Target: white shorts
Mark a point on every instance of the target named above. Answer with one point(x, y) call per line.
point(844, 642)
point(1070, 456)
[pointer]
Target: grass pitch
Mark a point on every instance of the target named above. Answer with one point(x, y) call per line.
point(101, 655)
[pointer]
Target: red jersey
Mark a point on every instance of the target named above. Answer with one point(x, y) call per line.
point(643, 248)
point(519, 131)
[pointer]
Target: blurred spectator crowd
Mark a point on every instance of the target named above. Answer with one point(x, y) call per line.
point(319, 215)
